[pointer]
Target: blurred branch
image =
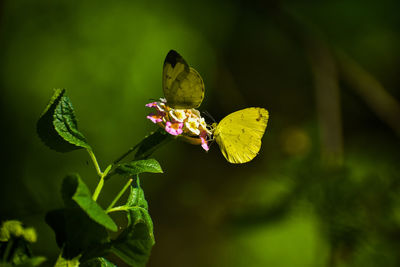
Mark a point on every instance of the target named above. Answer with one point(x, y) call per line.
point(371, 90)
point(326, 85)
point(327, 94)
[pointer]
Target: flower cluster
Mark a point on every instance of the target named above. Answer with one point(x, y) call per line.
point(185, 123)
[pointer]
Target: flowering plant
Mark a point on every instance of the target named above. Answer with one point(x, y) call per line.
point(185, 123)
point(82, 226)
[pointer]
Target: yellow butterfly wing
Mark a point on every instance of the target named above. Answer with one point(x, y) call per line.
point(183, 86)
point(239, 134)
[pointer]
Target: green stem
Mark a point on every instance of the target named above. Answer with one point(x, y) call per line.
point(148, 145)
point(127, 153)
point(101, 183)
point(10, 244)
point(110, 207)
point(119, 208)
point(96, 165)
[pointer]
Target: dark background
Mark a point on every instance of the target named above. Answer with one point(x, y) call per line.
point(324, 190)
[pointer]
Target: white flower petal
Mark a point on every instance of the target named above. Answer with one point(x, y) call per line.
point(178, 114)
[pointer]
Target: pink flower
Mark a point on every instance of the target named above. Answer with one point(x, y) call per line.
point(204, 143)
point(160, 106)
point(151, 105)
point(185, 123)
point(155, 118)
point(174, 128)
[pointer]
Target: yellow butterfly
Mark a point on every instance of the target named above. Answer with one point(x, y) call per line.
point(182, 85)
point(238, 134)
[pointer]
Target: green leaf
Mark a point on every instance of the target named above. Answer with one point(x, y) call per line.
point(57, 126)
point(62, 262)
point(66, 125)
point(56, 219)
point(28, 262)
point(80, 227)
point(137, 202)
point(98, 262)
point(14, 228)
point(75, 190)
point(76, 233)
point(136, 198)
point(45, 127)
point(134, 244)
point(139, 166)
point(15, 245)
point(11, 228)
point(32, 262)
point(151, 143)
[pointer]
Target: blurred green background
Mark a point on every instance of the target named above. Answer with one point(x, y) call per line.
point(325, 189)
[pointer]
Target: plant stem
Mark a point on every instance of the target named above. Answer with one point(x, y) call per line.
point(148, 145)
point(119, 208)
point(10, 244)
point(127, 153)
point(96, 165)
point(119, 195)
point(101, 183)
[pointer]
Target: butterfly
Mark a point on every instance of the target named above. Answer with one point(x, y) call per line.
point(238, 134)
point(182, 85)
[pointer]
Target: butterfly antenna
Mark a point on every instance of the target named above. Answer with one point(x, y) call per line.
point(209, 115)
